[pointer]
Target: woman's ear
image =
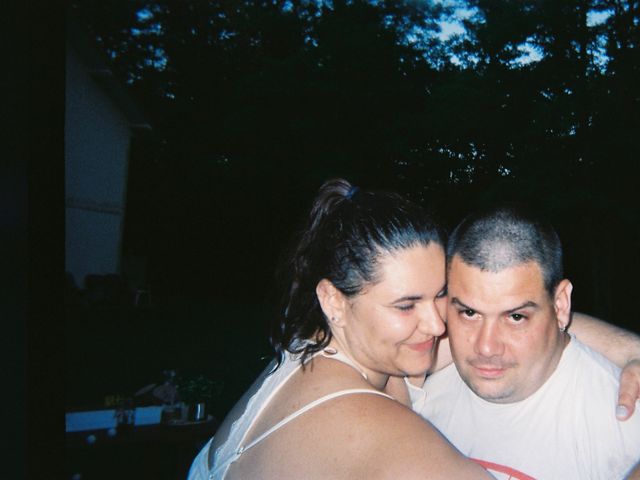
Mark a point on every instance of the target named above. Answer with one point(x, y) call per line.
point(562, 303)
point(332, 302)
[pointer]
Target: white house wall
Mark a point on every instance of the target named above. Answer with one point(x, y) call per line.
point(97, 137)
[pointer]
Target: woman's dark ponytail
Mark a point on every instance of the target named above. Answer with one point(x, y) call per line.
point(300, 315)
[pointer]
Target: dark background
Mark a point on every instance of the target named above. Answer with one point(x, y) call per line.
point(254, 104)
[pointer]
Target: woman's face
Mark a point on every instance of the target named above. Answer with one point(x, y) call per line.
point(391, 328)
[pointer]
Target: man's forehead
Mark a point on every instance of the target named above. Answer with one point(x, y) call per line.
point(524, 275)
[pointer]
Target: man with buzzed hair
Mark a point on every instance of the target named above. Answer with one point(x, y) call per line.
point(525, 398)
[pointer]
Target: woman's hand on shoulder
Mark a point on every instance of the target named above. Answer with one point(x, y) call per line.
point(634, 474)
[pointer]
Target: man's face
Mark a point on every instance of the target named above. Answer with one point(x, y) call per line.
point(504, 328)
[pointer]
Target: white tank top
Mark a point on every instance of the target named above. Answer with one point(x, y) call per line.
point(256, 400)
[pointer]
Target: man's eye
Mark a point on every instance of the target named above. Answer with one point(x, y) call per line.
point(468, 312)
point(517, 317)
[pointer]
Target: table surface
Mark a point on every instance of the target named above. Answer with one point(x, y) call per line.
point(150, 451)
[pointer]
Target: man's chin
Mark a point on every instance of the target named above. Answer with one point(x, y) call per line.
point(492, 392)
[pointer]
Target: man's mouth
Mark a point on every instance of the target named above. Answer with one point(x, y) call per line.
point(489, 372)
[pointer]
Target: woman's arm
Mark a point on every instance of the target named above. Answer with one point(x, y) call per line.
point(621, 347)
point(397, 443)
point(635, 473)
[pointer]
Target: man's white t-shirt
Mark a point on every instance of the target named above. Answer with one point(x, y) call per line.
point(566, 430)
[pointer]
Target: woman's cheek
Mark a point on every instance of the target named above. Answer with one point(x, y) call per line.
point(402, 325)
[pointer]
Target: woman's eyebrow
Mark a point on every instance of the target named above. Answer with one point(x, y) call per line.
point(407, 298)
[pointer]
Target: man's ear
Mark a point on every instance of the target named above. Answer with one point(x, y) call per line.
point(332, 302)
point(562, 303)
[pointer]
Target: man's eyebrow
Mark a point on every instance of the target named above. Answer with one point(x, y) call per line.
point(407, 298)
point(529, 304)
point(456, 301)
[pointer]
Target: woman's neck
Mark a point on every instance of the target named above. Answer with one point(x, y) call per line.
point(377, 380)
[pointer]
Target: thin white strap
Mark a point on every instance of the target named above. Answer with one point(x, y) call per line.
point(222, 465)
point(334, 354)
point(306, 408)
point(291, 417)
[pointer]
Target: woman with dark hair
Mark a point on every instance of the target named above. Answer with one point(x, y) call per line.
point(367, 285)
point(363, 304)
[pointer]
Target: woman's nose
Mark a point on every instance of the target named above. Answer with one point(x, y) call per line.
point(431, 322)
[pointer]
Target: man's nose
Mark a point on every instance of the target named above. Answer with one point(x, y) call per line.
point(488, 340)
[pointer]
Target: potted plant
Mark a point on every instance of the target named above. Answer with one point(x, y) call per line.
point(196, 392)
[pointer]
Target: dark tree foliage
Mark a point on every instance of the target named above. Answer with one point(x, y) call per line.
point(255, 103)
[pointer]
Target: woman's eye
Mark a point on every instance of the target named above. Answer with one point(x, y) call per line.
point(406, 308)
point(442, 293)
